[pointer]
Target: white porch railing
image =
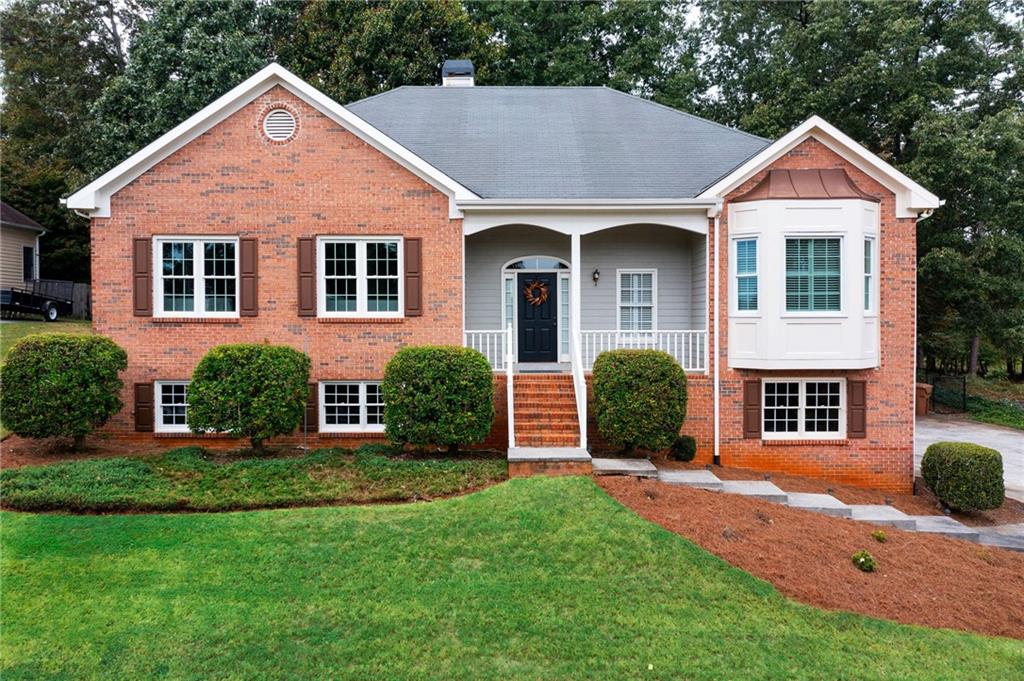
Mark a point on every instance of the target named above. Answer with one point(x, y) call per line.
point(689, 348)
point(579, 385)
point(494, 345)
point(510, 362)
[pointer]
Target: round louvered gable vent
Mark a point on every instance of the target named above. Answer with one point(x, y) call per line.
point(279, 125)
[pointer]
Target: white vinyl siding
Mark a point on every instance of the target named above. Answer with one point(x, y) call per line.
point(359, 277)
point(195, 277)
point(637, 300)
point(803, 409)
point(171, 407)
point(351, 407)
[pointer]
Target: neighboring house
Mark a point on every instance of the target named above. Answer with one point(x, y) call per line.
point(19, 247)
point(540, 225)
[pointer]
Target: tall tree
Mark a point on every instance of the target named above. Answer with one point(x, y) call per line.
point(186, 55)
point(57, 57)
point(352, 50)
point(628, 45)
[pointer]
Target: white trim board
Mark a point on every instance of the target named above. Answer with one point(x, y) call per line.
point(94, 198)
point(912, 199)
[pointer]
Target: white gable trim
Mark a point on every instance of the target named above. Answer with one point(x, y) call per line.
point(94, 198)
point(911, 198)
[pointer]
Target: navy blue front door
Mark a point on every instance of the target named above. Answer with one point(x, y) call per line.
point(538, 317)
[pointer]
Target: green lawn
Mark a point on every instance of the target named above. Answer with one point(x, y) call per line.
point(13, 331)
point(187, 478)
point(540, 578)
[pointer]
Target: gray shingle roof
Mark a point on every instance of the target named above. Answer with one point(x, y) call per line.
point(558, 142)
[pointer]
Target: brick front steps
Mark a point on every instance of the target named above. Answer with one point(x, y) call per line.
point(545, 411)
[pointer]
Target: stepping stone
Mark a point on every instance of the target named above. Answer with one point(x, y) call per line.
point(758, 489)
point(700, 479)
point(940, 524)
point(639, 468)
point(880, 514)
point(1003, 541)
point(819, 503)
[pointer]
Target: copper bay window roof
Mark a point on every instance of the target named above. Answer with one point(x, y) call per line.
point(827, 183)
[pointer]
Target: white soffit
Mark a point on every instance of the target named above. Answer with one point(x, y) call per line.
point(94, 198)
point(911, 198)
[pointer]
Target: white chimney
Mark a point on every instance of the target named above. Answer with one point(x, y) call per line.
point(457, 73)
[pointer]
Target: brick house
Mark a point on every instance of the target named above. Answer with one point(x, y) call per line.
point(540, 226)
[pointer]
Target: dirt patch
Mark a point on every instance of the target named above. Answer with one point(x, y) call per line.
point(921, 503)
point(920, 579)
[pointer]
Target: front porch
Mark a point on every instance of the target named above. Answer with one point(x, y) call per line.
point(541, 304)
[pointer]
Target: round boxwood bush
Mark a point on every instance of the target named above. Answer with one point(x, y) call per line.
point(684, 448)
point(249, 390)
point(964, 476)
point(438, 395)
point(61, 385)
point(639, 398)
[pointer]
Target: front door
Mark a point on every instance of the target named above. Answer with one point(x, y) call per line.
point(538, 317)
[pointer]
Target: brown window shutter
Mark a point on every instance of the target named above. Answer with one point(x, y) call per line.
point(413, 277)
point(144, 407)
point(142, 278)
point(752, 408)
point(307, 277)
point(248, 264)
point(313, 409)
point(856, 409)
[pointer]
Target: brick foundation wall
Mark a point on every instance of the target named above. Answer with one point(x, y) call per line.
point(233, 181)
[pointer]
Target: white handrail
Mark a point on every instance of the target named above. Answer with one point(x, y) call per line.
point(509, 390)
point(579, 384)
point(688, 347)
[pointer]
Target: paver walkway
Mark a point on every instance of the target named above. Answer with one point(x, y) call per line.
point(1005, 536)
point(1007, 441)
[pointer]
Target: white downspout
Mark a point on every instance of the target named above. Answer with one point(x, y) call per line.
point(716, 310)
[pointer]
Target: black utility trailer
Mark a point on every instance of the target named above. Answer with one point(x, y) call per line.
point(15, 302)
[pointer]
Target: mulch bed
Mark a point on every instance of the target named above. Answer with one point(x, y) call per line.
point(920, 579)
point(921, 503)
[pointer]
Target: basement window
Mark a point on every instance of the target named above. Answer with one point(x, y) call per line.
point(351, 407)
point(812, 409)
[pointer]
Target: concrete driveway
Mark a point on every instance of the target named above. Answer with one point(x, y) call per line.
point(1008, 441)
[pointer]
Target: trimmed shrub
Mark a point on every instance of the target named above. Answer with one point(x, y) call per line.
point(684, 448)
point(639, 398)
point(249, 390)
point(964, 476)
point(864, 561)
point(438, 395)
point(61, 385)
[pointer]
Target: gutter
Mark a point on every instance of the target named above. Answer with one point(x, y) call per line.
point(586, 205)
point(716, 383)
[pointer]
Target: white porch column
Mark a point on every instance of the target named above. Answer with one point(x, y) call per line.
point(575, 276)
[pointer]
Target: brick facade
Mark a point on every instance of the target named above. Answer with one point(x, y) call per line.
point(233, 181)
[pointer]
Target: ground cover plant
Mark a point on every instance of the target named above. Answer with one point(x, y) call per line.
point(997, 400)
point(57, 385)
point(190, 479)
point(537, 578)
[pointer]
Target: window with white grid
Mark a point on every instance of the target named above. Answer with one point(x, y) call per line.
point(171, 406)
point(195, 277)
point(359, 277)
point(351, 406)
point(803, 409)
point(637, 296)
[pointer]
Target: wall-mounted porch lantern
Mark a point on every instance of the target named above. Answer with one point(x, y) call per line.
point(596, 276)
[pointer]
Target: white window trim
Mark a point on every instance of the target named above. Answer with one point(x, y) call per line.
point(363, 426)
point(872, 309)
point(802, 434)
point(199, 289)
point(735, 276)
point(158, 412)
point(361, 280)
point(563, 320)
point(654, 298)
point(844, 297)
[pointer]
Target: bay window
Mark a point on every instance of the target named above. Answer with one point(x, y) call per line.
point(813, 275)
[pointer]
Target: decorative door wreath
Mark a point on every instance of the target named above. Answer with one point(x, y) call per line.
point(536, 292)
